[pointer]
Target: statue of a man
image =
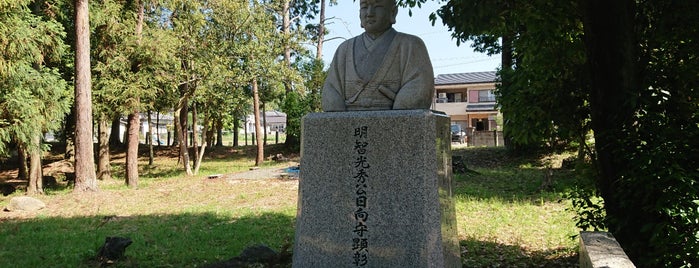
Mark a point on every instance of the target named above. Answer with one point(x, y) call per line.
point(380, 69)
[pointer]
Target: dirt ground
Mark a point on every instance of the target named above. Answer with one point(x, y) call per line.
point(154, 195)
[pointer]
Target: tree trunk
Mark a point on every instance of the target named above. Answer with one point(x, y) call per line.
point(181, 132)
point(132, 150)
point(197, 162)
point(23, 172)
point(236, 126)
point(149, 140)
point(85, 177)
point(219, 133)
point(612, 52)
point(35, 177)
point(195, 143)
point(506, 81)
point(321, 31)
point(286, 29)
point(134, 118)
point(103, 168)
point(115, 135)
point(184, 122)
point(175, 138)
point(209, 132)
point(256, 111)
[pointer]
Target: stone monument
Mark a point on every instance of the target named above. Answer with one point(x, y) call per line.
point(375, 184)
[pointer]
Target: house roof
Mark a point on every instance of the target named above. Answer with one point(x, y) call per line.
point(465, 78)
point(273, 117)
point(274, 113)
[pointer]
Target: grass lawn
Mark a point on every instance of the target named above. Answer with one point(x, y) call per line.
point(505, 220)
point(178, 221)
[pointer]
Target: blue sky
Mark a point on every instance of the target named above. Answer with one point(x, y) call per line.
point(445, 55)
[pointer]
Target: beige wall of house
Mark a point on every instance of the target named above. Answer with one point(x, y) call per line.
point(469, 105)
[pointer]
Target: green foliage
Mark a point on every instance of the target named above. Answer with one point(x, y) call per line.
point(542, 96)
point(586, 201)
point(301, 10)
point(33, 97)
point(657, 219)
point(295, 107)
point(651, 197)
point(314, 75)
point(131, 72)
point(662, 144)
point(298, 104)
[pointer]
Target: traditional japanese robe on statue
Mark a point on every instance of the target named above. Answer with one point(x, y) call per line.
point(391, 72)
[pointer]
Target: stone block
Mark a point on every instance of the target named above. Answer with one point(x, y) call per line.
point(601, 250)
point(375, 190)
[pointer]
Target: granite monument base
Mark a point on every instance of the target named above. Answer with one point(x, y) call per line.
point(375, 191)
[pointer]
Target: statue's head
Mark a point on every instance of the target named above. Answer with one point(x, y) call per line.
point(377, 16)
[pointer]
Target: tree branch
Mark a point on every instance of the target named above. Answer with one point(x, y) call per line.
point(189, 81)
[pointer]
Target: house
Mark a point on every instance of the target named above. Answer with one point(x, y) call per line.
point(469, 100)
point(273, 121)
point(160, 123)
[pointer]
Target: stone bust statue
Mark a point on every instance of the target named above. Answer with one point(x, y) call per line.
point(381, 69)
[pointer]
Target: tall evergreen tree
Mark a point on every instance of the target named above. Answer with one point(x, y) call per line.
point(132, 68)
point(33, 96)
point(85, 176)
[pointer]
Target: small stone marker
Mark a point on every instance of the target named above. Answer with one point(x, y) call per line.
point(25, 203)
point(375, 191)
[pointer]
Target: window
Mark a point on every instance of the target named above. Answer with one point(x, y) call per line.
point(486, 96)
point(454, 97)
point(449, 97)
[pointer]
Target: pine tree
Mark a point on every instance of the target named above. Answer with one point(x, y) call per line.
point(33, 96)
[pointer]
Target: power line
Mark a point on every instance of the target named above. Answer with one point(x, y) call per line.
point(464, 63)
point(464, 58)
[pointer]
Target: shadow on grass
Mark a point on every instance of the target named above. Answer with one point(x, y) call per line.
point(156, 172)
point(186, 240)
point(476, 253)
point(510, 178)
point(198, 240)
point(514, 185)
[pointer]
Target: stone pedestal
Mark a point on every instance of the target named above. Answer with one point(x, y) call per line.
point(375, 191)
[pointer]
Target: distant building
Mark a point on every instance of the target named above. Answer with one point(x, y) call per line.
point(275, 122)
point(160, 122)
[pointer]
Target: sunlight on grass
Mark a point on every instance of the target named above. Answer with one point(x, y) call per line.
point(516, 223)
point(505, 219)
